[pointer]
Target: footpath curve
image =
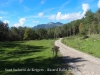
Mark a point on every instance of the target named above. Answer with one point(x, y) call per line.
point(79, 62)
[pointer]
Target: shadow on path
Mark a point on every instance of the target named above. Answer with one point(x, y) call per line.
point(68, 59)
point(71, 62)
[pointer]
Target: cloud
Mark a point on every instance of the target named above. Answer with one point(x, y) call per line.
point(70, 16)
point(53, 17)
point(43, 1)
point(6, 21)
point(85, 7)
point(0, 18)
point(35, 21)
point(99, 4)
point(2, 12)
point(20, 1)
point(20, 23)
point(40, 14)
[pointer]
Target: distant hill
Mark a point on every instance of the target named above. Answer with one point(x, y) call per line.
point(48, 25)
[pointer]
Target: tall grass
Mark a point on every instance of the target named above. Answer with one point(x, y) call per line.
point(89, 45)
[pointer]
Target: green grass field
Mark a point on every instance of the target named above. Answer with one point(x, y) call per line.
point(89, 45)
point(35, 55)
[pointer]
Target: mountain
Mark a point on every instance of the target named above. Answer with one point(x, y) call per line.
point(48, 25)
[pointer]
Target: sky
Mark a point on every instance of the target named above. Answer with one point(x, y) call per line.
point(33, 12)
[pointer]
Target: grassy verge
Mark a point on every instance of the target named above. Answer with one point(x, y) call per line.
point(89, 45)
point(33, 57)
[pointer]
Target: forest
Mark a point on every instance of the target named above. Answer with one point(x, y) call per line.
point(89, 24)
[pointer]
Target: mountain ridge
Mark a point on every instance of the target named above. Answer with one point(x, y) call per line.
point(48, 25)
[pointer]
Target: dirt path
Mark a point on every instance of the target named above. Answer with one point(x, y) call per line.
point(80, 63)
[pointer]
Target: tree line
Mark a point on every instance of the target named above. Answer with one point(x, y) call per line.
point(90, 24)
point(25, 33)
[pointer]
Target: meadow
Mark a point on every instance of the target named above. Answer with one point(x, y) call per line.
point(89, 45)
point(28, 58)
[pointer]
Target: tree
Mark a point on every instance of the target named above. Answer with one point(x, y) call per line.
point(64, 30)
point(89, 18)
point(3, 31)
point(50, 33)
point(57, 32)
point(29, 34)
point(82, 29)
point(42, 33)
point(21, 32)
point(97, 19)
point(73, 27)
point(15, 33)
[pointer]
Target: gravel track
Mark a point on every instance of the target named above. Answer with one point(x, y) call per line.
point(79, 62)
